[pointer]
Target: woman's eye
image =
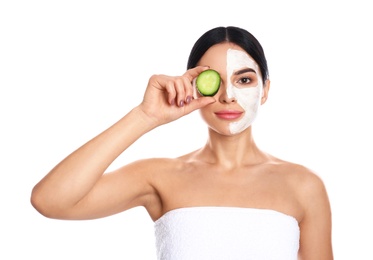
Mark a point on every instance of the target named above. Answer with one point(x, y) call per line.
point(244, 81)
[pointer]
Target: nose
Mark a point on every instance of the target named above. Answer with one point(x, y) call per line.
point(226, 95)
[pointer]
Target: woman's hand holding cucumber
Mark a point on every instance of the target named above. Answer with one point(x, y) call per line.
point(168, 98)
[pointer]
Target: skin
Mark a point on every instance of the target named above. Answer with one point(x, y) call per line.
point(229, 170)
point(244, 86)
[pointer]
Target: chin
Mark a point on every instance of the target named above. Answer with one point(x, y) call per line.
point(224, 132)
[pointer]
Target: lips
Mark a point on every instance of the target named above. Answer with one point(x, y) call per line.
point(228, 114)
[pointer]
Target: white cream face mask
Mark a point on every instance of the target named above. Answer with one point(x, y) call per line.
point(248, 98)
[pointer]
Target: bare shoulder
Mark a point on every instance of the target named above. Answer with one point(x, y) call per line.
point(309, 183)
point(316, 216)
point(308, 186)
point(303, 177)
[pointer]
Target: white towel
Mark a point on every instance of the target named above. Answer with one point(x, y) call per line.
point(226, 233)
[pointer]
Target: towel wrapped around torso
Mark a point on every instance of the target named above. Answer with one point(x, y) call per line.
point(226, 233)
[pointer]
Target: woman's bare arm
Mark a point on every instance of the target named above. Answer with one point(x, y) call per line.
point(77, 187)
point(316, 225)
point(79, 177)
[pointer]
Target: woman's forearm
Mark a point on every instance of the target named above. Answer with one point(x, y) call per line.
point(70, 180)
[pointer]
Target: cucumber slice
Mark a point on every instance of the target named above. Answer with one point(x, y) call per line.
point(208, 82)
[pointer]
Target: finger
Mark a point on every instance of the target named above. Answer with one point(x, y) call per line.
point(199, 103)
point(194, 72)
point(188, 90)
point(180, 91)
point(171, 92)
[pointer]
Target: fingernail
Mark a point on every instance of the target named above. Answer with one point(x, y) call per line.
point(188, 99)
point(181, 103)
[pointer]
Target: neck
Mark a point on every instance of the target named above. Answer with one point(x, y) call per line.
point(234, 150)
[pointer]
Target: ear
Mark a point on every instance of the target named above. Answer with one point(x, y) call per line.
point(265, 91)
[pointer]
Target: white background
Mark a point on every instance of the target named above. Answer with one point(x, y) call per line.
point(69, 69)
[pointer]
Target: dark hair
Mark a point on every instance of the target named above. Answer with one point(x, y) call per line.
point(232, 34)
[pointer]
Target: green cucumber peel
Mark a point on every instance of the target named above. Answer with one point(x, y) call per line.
point(208, 82)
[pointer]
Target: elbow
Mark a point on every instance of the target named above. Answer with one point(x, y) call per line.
point(38, 203)
point(42, 204)
point(49, 205)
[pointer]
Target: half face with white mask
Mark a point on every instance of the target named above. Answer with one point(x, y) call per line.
point(248, 97)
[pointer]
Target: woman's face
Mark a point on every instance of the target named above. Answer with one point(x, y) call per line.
point(241, 90)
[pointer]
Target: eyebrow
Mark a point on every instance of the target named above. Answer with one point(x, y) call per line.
point(238, 72)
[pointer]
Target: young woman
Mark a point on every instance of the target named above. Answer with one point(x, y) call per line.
point(226, 200)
